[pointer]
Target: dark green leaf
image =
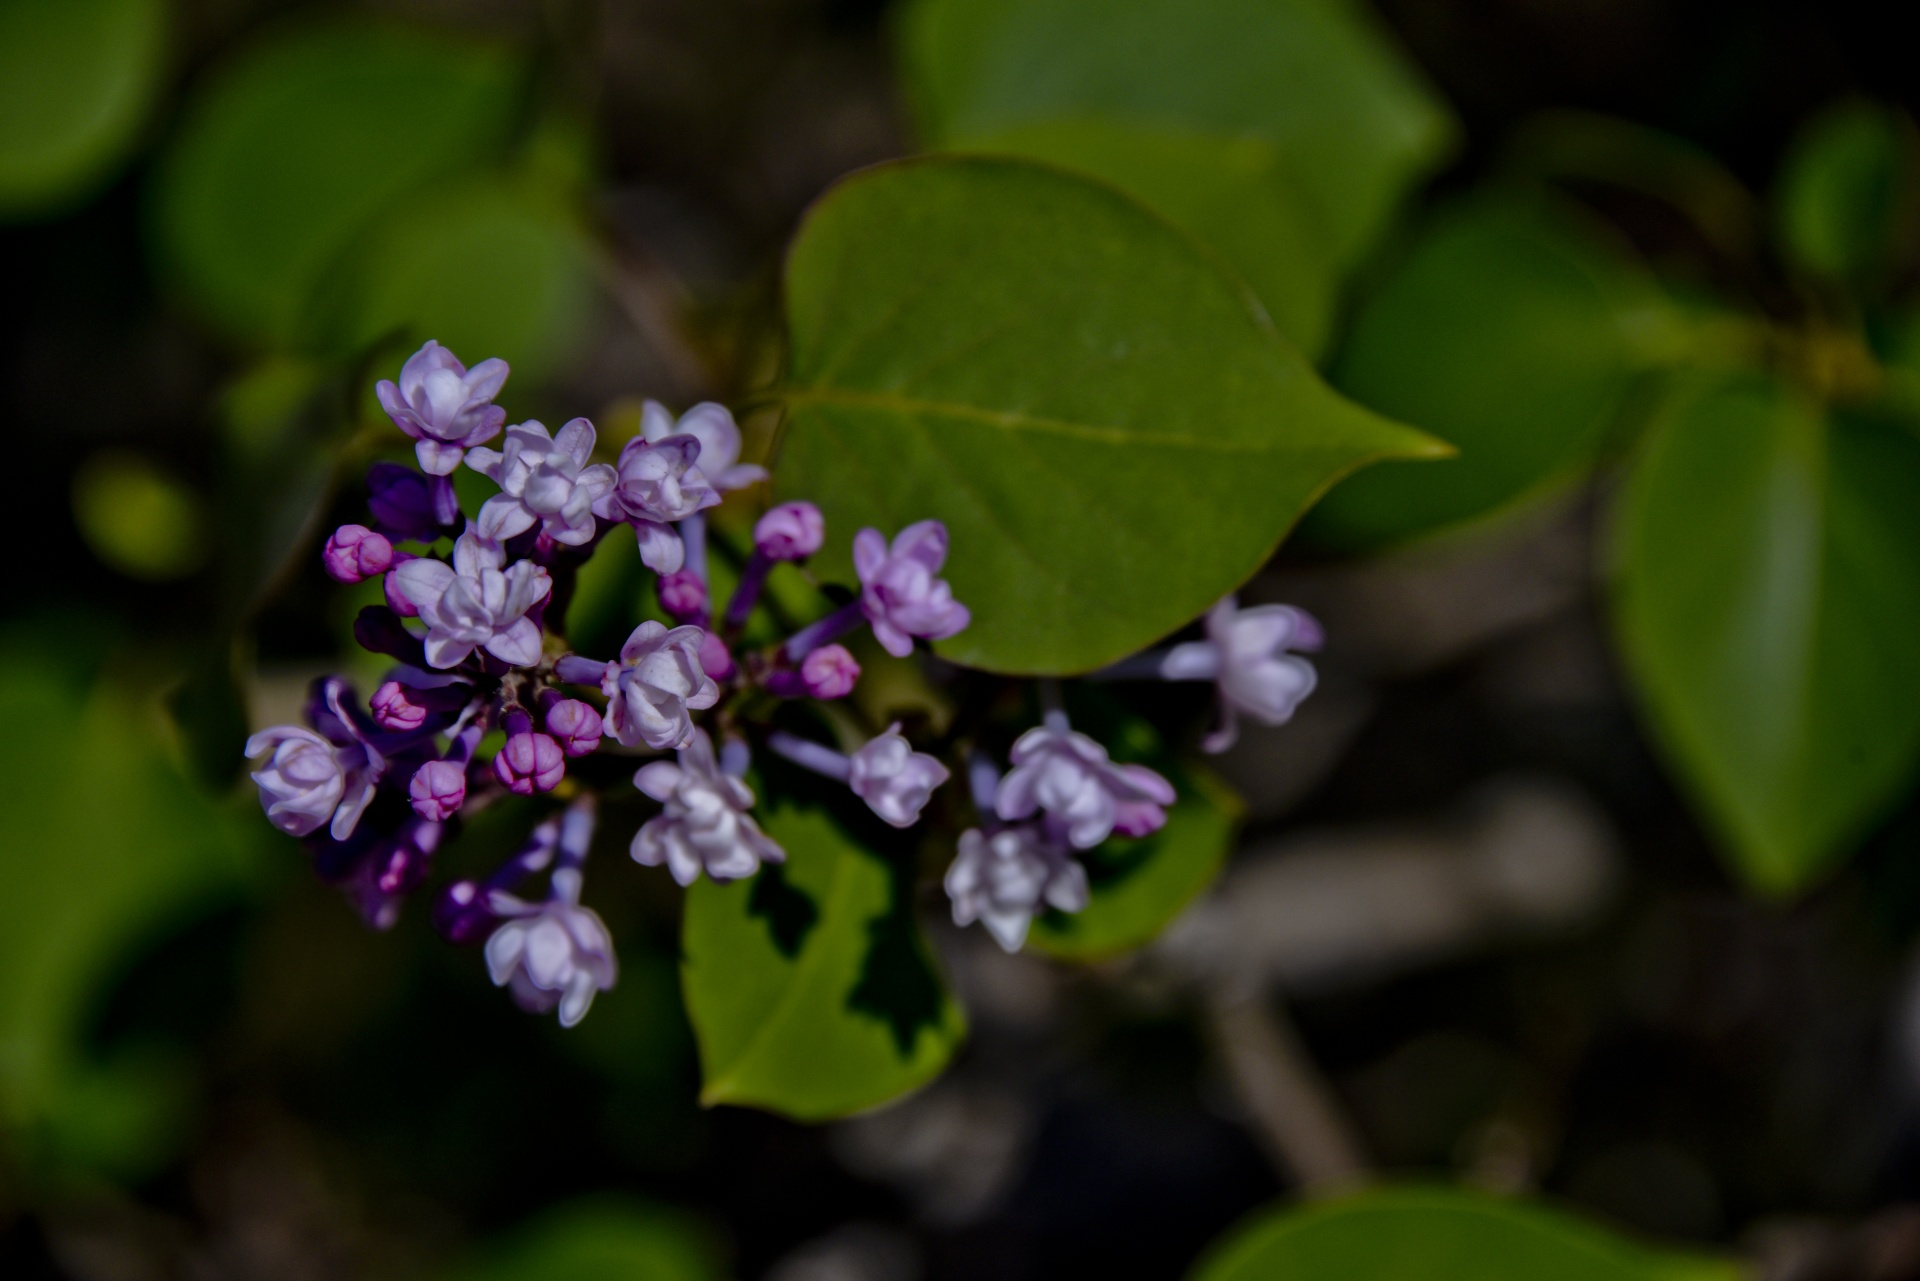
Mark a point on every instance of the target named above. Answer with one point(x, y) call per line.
point(1439, 1234)
point(1114, 435)
point(1768, 593)
point(1849, 193)
point(853, 1016)
point(599, 1240)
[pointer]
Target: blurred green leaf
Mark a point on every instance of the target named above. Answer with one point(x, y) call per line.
point(298, 145)
point(1768, 590)
point(1233, 193)
point(76, 80)
point(137, 519)
point(1139, 886)
point(1440, 1234)
point(810, 988)
point(1505, 333)
point(1316, 79)
point(1849, 193)
point(602, 1239)
point(1113, 435)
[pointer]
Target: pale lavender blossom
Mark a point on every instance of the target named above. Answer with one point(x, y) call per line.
point(1002, 878)
point(310, 779)
point(657, 684)
point(790, 531)
point(544, 480)
point(444, 406)
point(1245, 654)
point(713, 426)
point(473, 603)
point(706, 825)
point(551, 954)
point(1084, 794)
point(656, 485)
point(899, 594)
point(895, 781)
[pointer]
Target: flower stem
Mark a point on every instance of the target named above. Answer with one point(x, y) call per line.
point(833, 626)
point(814, 756)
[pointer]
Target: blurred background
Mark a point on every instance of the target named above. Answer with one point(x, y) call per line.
point(1493, 938)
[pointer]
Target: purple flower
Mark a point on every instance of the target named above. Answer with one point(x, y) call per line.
point(438, 789)
point(716, 660)
point(655, 687)
point(355, 553)
point(898, 591)
point(827, 672)
point(314, 778)
point(1002, 878)
point(446, 408)
point(574, 725)
point(544, 480)
point(530, 762)
point(713, 426)
point(394, 710)
point(705, 825)
point(791, 531)
point(1084, 794)
point(550, 954)
point(683, 594)
point(655, 485)
point(473, 603)
point(407, 505)
point(1245, 654)
point(894, 780)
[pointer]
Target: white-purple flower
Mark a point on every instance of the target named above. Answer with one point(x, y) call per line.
point(311, 779)
point(713, 426)
point(473, 603)
point(1083, 793)
point(657, 684)
point(894, 780)
point(544, 480)
point(555, 953)
point(446, 407)
point(1245, 654)
point(899, 594)
point(654, 486)
point(1002, 879)
point(706, 825)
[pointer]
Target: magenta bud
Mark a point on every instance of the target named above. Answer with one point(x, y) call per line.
point(438, 790)
point(397, 599)
point(574, 725)
point(716, 660)
point(530, 763)
point(355, 553)
point(829, 672)
point(684, 595)
point(791, 531)
point(393, 710)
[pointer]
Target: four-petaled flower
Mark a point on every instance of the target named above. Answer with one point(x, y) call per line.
point(1084, 795)
point(555, 953)
point(310, 778)
point(894, 780)
point(898, 591)
point(706, 825)
point(474, 603)
point(1002, 878)
point(713, 426)
point(1245, 654)
point(654, 486)
point(656, 684)
point(544, 480)
point(446, 407)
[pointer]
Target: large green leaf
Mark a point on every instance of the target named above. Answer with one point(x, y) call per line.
point(1848, 199)
point(810, 987)
point(1112, 431)
point(1768, 594)
point(76, 79)
point(299, 144)
point(601, 1239)
point(1315, 78)
point(1508, 334)
point(1440, 1234)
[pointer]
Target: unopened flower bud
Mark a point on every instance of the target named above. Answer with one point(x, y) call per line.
point(393, 710)
point(716, 660)
point(462, 914)
point(377, 629)
point(438, 789)
point(791, 531)
point(574, 725)
point(402, 502)
point(530, 763)
point(683, 594)
point(355, 553)
point(827, 672)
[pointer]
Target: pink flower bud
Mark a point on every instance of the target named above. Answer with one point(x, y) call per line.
point(791, 531)
point(393, 710)
point(437, 790)
point(684, 595)
point(355, 553)
point(574, 725)
point(827, 672)
point(715, 659)
point(530, 763)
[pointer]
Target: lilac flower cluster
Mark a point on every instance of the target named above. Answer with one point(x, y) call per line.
point(485, 698)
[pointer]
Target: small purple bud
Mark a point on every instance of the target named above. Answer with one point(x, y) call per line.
point(403, 503)
point(791, 531)
point(827, 672)
point(683, 594)
point(393, 710)
point(716, 660)
point(438, 789)
point(461, 913)
point(397, 599)
point(530, 763)
point(355, 553)
point(378, 630)
point(574, 725)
